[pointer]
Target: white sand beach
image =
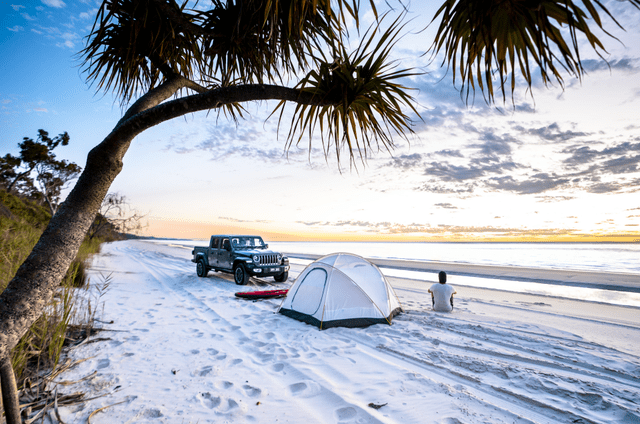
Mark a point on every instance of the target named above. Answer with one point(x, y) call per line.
point(182, 349)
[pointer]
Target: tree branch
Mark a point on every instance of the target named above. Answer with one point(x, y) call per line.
point(216, 98)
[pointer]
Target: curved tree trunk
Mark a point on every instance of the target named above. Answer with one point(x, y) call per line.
point(24, 299)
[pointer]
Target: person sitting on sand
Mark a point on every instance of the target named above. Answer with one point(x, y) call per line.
point(442, 294)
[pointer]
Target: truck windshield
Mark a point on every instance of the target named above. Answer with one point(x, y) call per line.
point(247, 242)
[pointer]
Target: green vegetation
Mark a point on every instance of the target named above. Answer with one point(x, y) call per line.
point(70, 313)
point(36, 173)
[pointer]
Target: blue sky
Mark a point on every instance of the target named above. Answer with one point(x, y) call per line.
point(565, 162)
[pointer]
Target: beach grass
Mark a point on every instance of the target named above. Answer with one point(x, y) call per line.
point(71, 311)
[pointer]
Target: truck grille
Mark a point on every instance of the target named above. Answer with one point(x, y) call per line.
point(268, 260)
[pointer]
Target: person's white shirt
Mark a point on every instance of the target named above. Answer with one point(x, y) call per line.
point(442, 297)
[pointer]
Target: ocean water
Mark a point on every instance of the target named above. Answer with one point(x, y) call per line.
point(606, 257)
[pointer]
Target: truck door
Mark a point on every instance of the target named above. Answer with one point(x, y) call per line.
point(213, 252)
point(224, 254)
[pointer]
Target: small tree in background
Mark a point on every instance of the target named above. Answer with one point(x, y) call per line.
point(116, 215)
point(36, 173)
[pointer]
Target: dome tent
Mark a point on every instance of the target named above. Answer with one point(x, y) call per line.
point(341, 290)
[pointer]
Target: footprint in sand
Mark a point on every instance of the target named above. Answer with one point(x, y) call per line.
point(216, 402)
point(103, 363)
point(224, 385)
point(269, 335)
point(152, 413)
point(305, 389)
point(251, 391)
point(209, 401)
point(205, 371)
point(234, 362)
point(278, 367)
point(194, 351)
point(345, 414)
point(212, 351)
point(264, 357)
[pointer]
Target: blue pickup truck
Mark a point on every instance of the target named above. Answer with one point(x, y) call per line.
point(244, 256)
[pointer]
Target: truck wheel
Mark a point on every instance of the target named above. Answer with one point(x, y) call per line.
point(282, 277)
point(201, 268)
point(240, 274)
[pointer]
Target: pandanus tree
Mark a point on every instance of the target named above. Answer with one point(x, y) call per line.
point(165, 60)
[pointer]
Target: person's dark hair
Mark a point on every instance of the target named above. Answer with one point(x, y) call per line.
point(442, 276)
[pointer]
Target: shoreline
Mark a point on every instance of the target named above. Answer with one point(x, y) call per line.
point(625, 282)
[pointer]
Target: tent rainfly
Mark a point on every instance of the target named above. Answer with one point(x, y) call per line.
point(341, 290)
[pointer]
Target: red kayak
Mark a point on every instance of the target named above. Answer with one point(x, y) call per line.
point(264, 294)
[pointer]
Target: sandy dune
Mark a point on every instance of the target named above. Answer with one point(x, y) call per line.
point(183, 349)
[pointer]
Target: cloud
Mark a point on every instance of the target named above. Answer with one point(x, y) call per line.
point(438, 188)
point(17, 7)
point(406, 161)
point(16, 28)
point(437, 230)
point(554, 199)
point(624, 64)
point(580, 154)
point(226, 218)
point(40, 109)
point(28, 17)
point(447, 172)
point(449, 153)
point(551, 133)
point(445, 206)
point(531, 185)
point(54, 3)
point(226, 140)
point(69, 40)
point(604, 187)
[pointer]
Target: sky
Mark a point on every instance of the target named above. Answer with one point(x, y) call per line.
point(555, 165)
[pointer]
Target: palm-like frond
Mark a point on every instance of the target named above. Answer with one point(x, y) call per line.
point(483, 38)
point(366, 98)
point(132, 46)
point(253, 40)
point(136, 44)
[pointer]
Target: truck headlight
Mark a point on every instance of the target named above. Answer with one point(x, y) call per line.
point(279, 257)
point(255, 258)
